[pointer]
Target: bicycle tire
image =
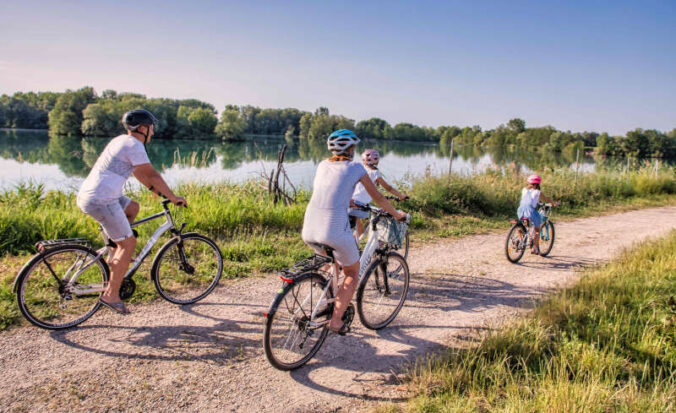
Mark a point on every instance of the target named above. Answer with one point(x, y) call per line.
point(177, 282)
point(511, 246)
point(284, 308)
point(551, 233)
point(42, 300)
point(377, 285)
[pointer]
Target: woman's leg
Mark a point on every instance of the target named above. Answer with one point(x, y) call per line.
point(345, 294)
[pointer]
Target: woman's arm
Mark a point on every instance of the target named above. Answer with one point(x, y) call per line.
point(380, 199)
point(152, 179)
point(390, 189)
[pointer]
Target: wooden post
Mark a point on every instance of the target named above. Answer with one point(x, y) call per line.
point(450, 161)
point(577, 164)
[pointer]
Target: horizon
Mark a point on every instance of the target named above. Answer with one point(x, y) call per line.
point(604, 67)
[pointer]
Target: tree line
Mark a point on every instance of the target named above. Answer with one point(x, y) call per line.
point(84, 112)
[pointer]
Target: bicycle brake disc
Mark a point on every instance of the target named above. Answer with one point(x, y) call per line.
point(127, 288)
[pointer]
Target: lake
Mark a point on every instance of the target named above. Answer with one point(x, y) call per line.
point(62, 162)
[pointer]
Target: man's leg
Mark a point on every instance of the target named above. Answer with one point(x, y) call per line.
point(118, 267)
point(131, 211)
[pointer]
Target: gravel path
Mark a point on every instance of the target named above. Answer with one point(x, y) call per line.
point(208, 357)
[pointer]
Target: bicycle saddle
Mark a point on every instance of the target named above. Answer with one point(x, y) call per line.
point(323, 247)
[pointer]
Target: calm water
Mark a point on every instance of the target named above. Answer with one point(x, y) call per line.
point(61, 162)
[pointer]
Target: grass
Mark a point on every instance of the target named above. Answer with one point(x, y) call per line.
point(606, 344)
point(256, 236)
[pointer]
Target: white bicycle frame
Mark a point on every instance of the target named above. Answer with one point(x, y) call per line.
point(335, 280)
point(96, 288)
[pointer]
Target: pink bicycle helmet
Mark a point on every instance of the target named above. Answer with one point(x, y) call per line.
point(370, 157)
point(534, 179)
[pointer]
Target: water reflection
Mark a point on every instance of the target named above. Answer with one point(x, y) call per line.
point(33, 155)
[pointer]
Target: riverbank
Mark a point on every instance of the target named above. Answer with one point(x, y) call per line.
point(601, 345)
point(256, 236)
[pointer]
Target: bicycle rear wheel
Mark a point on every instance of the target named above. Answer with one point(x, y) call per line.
point(46, 297)
point(383, 290)
point(515, 244)
point(188, 271)
point(291, 338)
point(547, 235)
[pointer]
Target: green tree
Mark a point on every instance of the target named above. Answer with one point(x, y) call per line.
point(516, 125)
point(66, 117)
point(374, 128)
point(231, 126)
point(202, 121)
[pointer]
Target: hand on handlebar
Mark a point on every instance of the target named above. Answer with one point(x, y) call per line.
point(403, 197)
point(179, 201)
point(401, 216)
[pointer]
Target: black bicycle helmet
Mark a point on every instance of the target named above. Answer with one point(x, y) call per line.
point(137, 117)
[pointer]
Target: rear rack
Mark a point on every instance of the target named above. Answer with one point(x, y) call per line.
point(307, 264)
point(51, 243)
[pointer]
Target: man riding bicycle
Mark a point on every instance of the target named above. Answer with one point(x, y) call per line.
point(100, 195)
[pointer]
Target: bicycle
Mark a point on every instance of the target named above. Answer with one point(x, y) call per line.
point(60, 286)
point(403, 249)
point(520, 236)
point(296, 322)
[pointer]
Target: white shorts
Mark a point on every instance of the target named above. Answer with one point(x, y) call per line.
point(111, 216)
point(332, 229)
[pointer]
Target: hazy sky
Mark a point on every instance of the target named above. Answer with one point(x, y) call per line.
point(587, 65)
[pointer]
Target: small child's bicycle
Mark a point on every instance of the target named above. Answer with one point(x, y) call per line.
point(520, 236)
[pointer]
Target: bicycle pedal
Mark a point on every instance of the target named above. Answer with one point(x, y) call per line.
point(348, 316)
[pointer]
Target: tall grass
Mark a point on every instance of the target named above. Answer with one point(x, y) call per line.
point(29, 214)
point(606, 344)
point(257, 236)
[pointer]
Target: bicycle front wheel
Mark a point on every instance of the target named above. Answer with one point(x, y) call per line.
point(403, 251)
point(515, 244)
point(383, 290)
point(292, 334)
point(547, 235)
point(186, 271)
point(50, 298)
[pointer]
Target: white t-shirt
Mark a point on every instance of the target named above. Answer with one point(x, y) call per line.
point(532, 196)
point(114, 166)
point(334, 185)
point(360, 195)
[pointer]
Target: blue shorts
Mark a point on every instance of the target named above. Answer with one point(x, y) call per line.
point(532, 214)
point(111, 216)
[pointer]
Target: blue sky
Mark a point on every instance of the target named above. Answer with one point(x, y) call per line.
point(587, 65)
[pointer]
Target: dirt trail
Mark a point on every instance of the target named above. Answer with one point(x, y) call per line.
point(209, 357)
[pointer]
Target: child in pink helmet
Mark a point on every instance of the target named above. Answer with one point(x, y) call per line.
point(370, 158)
point(530, 196)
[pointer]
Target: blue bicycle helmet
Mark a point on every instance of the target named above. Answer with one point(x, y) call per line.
point(339, 141)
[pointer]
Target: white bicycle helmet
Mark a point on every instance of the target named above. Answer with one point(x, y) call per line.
point(340, 140)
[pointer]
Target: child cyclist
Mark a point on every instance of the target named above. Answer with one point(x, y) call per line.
point(370, 158)
point(326, 219)
point(530, 196)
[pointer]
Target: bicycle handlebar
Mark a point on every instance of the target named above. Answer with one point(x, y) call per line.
point(377, 211)
point(394, 198)
point(167, 202)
